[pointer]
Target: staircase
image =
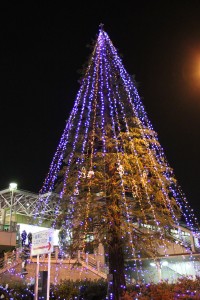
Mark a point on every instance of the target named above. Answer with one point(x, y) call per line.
point(61, 268)
point(93, 265)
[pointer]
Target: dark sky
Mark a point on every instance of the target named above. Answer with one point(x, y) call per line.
point(44, 46)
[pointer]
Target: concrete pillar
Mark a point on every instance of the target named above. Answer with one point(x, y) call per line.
point(98, 266)
point(5, 256)
point(79, 255)
point(17, 254)
point(192, 242)
point(56, 253)
point(86, 258)
point(101, 254)
point(158, 266)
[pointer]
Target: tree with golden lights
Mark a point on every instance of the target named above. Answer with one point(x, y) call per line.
point(115, 184)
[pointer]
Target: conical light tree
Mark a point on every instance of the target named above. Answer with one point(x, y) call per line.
point(110, 170)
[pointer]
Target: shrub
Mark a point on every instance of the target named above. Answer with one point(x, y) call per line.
point(183, 289)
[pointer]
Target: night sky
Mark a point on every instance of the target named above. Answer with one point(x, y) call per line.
point(43, 47)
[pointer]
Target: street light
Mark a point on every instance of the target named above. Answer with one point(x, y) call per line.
point(12, 188)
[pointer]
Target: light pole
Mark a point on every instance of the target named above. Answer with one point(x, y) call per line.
point(12, 188)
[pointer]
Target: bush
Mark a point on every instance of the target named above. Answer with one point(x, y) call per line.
point(183, 289)
point(15, 290)
point(68, 290)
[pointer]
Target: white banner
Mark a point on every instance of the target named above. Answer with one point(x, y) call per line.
point(42, 242)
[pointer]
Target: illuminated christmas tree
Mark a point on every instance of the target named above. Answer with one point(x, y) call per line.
point(111, 172)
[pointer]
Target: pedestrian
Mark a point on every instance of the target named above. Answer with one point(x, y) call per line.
point(29, 239)
point(23, 236)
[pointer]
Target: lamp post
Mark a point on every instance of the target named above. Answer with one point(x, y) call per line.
point(12, 188)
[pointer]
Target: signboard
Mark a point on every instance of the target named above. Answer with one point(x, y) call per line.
point(42, 242)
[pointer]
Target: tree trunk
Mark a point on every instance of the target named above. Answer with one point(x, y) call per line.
point(116, 269)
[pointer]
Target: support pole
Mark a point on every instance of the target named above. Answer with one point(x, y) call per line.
point(36, 279)
point(11, 204)
point(48, 274)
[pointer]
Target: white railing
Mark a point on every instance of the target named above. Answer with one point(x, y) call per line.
point(9, 260)
point(93, 264)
